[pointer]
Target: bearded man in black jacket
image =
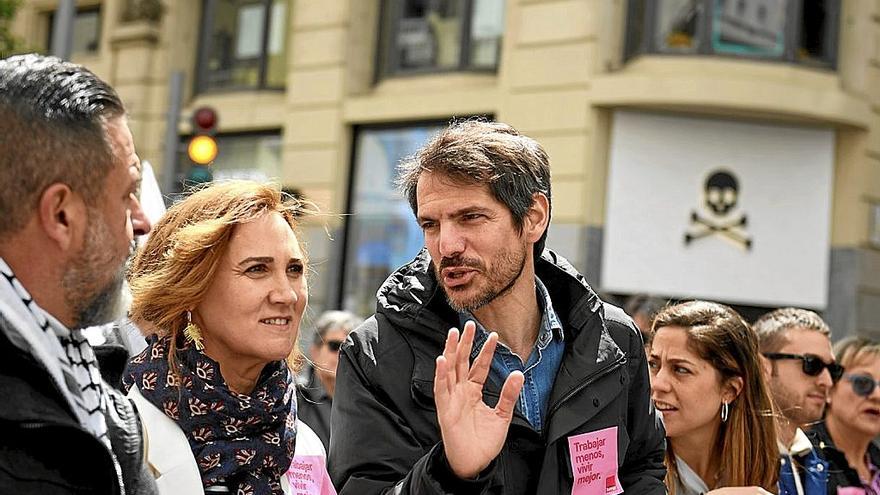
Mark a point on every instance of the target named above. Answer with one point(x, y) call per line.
point(70, 212)
point(545, 390)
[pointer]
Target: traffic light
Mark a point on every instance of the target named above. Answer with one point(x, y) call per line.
point(202, 148)
point(198, 174)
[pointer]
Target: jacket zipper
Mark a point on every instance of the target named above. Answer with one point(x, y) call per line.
point(35, 425)
point(587, 382)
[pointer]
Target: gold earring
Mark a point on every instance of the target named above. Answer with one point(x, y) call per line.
point(192, 333)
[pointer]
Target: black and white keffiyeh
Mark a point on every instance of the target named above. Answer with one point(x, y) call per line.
point(70, 351)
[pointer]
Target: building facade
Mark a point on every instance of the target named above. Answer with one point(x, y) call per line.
point(723, 149)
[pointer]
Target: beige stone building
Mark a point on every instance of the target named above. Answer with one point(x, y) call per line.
point(699, 148)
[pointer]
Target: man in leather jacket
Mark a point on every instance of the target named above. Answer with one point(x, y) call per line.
point(70, 178)
point(546, 388)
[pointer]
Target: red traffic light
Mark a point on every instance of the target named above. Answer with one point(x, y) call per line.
point(202, 148)
point(204, 119)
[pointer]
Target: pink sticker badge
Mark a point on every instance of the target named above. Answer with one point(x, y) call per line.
point(308, 476)
point(594, 463)
point(850, 490)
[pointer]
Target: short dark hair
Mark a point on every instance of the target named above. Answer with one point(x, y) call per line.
point(476, 151)
point(773, 326)
point(53, 118)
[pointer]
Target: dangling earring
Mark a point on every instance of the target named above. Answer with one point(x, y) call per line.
point(192, 333)
point(725, 412)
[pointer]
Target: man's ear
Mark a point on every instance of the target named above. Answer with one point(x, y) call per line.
point(732, 389)
point(62, 215)
point(537, 217)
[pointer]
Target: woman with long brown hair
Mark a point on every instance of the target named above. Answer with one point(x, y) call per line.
point(707, 381)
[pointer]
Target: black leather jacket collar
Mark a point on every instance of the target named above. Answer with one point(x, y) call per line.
point(840, 473)
point(45, 450)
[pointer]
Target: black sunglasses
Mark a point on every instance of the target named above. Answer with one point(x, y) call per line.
point(334, 345)
point(812, 364)
point(862, 385)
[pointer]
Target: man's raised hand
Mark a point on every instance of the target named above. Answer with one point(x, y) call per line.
point(473, 433)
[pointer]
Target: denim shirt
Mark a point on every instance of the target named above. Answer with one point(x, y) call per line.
point(543, 363)
point(801, 471)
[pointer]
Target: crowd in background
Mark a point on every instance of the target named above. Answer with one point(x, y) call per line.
point(782, 408)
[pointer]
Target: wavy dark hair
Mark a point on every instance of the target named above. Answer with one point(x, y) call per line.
point(475, 151)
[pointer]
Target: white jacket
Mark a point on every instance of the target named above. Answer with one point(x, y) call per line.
point(174, 465)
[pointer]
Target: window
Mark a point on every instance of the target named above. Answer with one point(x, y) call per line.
point(255, 156)
point(86, 31)
point(797, 31)
point(243, 44)
point(440, 35)
point(381, 233)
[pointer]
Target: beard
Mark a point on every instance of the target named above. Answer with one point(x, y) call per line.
point(793, 407)
point(95, 300)
point(509, 267)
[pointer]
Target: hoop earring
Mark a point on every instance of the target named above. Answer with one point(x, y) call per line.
point(192, 333)
point(725, 412)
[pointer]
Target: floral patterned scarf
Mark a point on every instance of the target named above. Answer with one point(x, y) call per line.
point(245, 442)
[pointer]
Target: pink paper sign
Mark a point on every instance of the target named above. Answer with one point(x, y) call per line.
point(594, 463)
point(308, 476)
point(850, 490)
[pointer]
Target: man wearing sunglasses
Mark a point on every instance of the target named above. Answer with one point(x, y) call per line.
point(800, 370)
point(317, 383)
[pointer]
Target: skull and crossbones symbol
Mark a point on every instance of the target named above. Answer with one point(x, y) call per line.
point(721, 195)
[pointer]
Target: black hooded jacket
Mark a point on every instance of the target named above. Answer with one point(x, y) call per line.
point(385, 436)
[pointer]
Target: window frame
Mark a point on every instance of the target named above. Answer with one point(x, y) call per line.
point(85, 9)
point(792, 35)
point(388, 56)
point(338, 297)
point(209, 9)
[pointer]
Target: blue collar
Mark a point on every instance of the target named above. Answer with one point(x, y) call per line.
point(550, 325)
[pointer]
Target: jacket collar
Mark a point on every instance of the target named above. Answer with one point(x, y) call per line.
point(169, 455)
point(800, 445)
point(412, 299)
point(820, 437)
point(412, 294)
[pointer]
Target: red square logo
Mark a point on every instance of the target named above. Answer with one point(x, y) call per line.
point(610, 484)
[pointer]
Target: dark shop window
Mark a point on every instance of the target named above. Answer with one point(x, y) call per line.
point(794, 31)
point(86, 31)
point(423, 36)
point(243, 44)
